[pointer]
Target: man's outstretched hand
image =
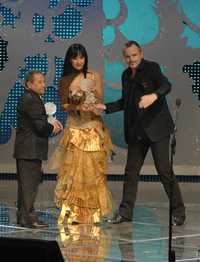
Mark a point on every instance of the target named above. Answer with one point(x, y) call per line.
point(99, 108)
point(147, 100)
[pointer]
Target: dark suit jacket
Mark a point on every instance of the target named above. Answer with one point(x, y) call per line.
point(156, 120)
point(32, 128)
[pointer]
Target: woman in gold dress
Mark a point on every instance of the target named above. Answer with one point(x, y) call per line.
point(81, 157)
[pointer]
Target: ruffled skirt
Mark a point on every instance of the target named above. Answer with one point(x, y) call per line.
point(81, 191)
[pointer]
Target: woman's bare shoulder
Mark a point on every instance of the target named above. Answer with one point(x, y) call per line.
point(93, 73)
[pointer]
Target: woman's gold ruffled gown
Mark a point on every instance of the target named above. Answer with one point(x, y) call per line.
point(81, 157)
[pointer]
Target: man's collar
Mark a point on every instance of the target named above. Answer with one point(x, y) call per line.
point(141, 65)
point(34, 93)
point(139, 68)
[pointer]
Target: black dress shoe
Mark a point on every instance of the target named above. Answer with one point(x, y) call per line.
point(23, 223)
point(119, 219)
point(39, 224)
point(26, 225)
point(178, 220)
point(35, 224)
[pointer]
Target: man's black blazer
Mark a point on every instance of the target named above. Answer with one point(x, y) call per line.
point(32, 128)
point(156, 119)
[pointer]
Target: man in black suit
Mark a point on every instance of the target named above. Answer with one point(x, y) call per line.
point(147, 124)
point(31, 147)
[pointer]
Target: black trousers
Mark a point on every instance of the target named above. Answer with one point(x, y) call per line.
point(135, 159)
point(28, 178)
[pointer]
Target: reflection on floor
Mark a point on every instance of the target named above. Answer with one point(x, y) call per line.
point(146, 239)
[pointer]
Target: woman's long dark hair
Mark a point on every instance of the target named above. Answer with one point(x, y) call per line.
point(72, 52)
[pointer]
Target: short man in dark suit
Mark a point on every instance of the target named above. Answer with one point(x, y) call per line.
point(31, 147)
point(147, 124)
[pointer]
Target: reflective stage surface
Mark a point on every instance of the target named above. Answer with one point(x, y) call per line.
point(146, 239)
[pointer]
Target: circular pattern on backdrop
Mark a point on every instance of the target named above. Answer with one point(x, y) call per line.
point(69, 24)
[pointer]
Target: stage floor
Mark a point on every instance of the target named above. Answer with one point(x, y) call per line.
point(146, 239)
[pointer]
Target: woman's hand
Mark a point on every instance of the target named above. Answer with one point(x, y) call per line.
point(86, 107)
point(90, 108)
